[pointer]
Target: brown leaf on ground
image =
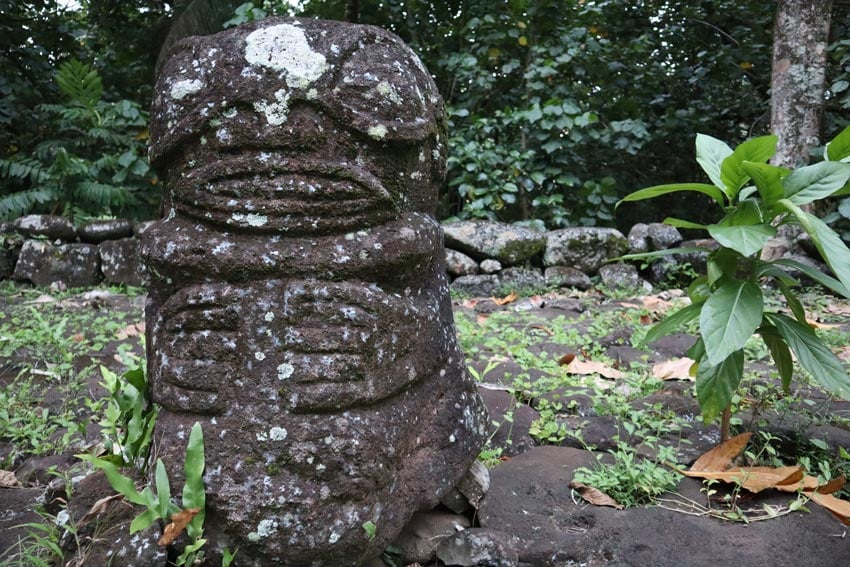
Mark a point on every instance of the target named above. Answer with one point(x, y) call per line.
point(543, 328)
point(754, 479)
point(674, 369)
point(481, 319)
point(8, 479)
point(838, 308)
point(807, 483)
point(510, 298)
point(133, 330)
point(469, 303)
point(179, 521)
point(839, 507)
point(645, 320)
point(566, 359)
point(656, 304)
point(819, 325)
point(584, 367)
point(595, 496)
point(98, 508)
point(831, 486)
point(719, 458)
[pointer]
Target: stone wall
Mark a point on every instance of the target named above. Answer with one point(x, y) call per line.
point(483, 258)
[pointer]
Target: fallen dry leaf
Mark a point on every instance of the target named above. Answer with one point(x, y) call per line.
point(645, 320)
point(510, 298)
point(674, 369)
point(754, 479)
point(179, 521)
point(481, 319)
point(98, 508)
point(566, 359)
point(469, 303)
point(543, 328)
point(838, 308)
point(807, 483)
point(656, 304)
point(595, 496)
point(584, 367)
point(839, 507)
point(719, 458)
point(833, 485)
point(819, 325)
point(8, 479)
point(133, 330)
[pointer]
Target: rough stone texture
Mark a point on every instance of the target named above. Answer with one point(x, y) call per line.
point(49, 226)
point(622, 276)
point(459, 264)
point(299, 307)
point(140, 228)
point(554, 530)
point(584, 248)
point(522, 279)
point(481, 239)
point(419, 540)
point(69, 265)
point(490, 266)
point(662, 236)
point(98, 231)
point(513, 436)
point(477, 286)
point(475, 483)
point(479, 547)
point(698, 260)
point(565, 276)
point(638, 238)
point(17, 507)
point(121, 262)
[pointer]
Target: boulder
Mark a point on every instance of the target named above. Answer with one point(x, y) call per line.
point(477, 286)
point(423, 533)
point(481, 239)
point(490, 266)
point(459, 264)
point(479, 547)
point(662, 236)
point(566, 276)
point(121, 262)
point(96, 232)
point(48, 226)
point(622, 276)
point(70, 265)
point(697, 260)
point(584, 248)
point(522, 280)
point(511, 434)
point(638, 238)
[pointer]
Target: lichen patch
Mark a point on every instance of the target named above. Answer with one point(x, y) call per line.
point(284, 47)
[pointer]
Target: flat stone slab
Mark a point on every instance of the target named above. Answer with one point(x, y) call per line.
point(530, 498)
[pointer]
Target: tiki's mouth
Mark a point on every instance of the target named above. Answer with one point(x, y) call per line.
point(265, 194)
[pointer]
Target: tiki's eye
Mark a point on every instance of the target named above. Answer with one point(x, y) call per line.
point(386, 93)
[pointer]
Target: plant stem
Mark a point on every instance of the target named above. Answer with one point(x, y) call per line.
point(725, 419)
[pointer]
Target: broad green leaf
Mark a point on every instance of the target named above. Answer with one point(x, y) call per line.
point(793, 303)
point(769, 269)
point(757, 150)
point(672, 323)
point(832, 249)
point(699, 291)
point(813, 355)
point(815, 274)
point(722, 263)
point(768, 179)
point(729, 318)
point(143, 521)
point(839, 148)
point(227, 557)
point(681, 223)
point(658, 190)
point(194, 495)
point(716, 384)
point(710, 155)
point(744, 239)
point(117, 481)
point(696, 350)
point(815, 182)
point(780, 353)
point(163, 489)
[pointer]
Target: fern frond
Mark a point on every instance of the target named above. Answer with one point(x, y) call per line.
point(25, 168)
point(20, 203)
point(80, 82)
point(100, 193)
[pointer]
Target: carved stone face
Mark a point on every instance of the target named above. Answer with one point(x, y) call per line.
point(299, 308)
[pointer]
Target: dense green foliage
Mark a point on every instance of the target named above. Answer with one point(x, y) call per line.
point(557, 107)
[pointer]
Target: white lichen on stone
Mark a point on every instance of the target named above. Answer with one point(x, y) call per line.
point(334, 538)
point(284, 47)
point(186, 87)
point(252, 219)
point(269, 316)
point(377, 132)
point(277, 111)
point(277, 434)
point(260, 356)
point(284, 371)
point(389, 91)
point(265, 528)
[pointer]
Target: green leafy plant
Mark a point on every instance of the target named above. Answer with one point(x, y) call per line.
point(159, 504)
point(129, 417)
point(753, 198)
point(95, 163)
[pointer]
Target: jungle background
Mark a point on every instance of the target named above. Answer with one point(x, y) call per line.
point(557, 108)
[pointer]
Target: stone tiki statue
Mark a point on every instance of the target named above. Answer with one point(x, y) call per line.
point(299, 308)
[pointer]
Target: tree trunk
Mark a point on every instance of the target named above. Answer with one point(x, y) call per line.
point(800, 39)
